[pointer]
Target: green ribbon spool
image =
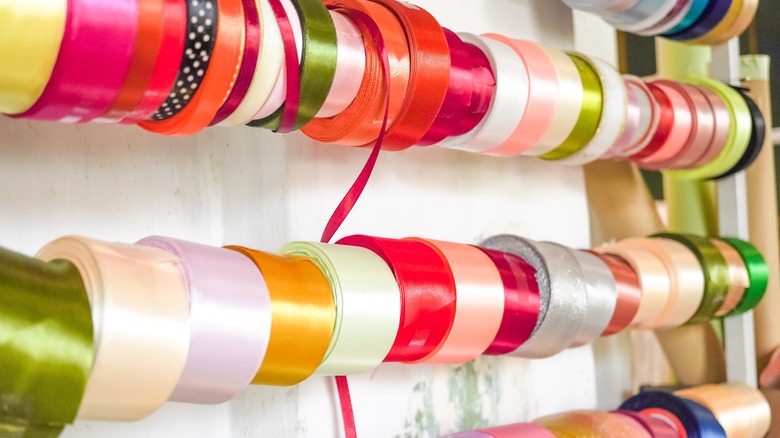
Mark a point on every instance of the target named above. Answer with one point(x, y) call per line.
point(46, 341)
point(716, 274)
point(758, 272)
point(590, 115)
point(319, 56)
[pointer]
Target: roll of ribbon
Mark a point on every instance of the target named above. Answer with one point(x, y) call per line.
point(479, 306)
point(666, 131)
point(602, 7)
point(672, 19)
point(93, 61)
point(649, 119)
point(613, 116)
point(758, 271)
point(716, 274)
point(525, 430)
point(602, 296)
point(683, 129)
point(657, 428)
point(593, 424)
point(713, 13)
point(686, 277)
point(633, 120)
point(722, 115)
point(738, 273)
point(350, 65)
point(739, 16)
point(688, 417)
point(645, 14)
point(269, 65)
point(469, 434)
point(629, 294)
point(741, 410)
point(562, 291)
point(654, 283)
point(230, 320)
point(522, 303)
point(590, 115)
point(28, 56)
point(508, 103)
point(368, 305)
point(697, 9)
point(428, 297)
point(140, 315)
point(303, 316)
point(47, 349)
point(757, 138)
point(543, 95)
point(568, 107)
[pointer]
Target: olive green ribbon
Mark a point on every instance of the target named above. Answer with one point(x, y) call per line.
point(590, 114)
point(758, 273)
point(319, 57)
point(716, 274)
point(45, 345)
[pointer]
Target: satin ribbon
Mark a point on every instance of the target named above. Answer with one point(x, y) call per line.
point(592, 424)
point(525, 430)
point(522, 303)
point(589, 116)
point(562, 291)
point(738, 275)
point(230, 320)
point(686, 279)
point(629, 294)
point(697, 9)
point(248, 61)
point(303, 315)
point(469, 434)
point(92, 64)
point(543, 94)
point(690, 418)
point(758, 272)
point(666, 124)
point(479, 307)
point(713, 14)
point(728, 27)
point(682, 129)
point(672, 19)
point(46, 348)
point(166, 66)
point(602, 7)
point(350, 64)
point(645, 14)
point(649, 119)
point(757, 138)
point(716, 274)
point(428, 297)
point(633, 120)
point(140, 315)
point(657, 428)
point(602, 296)
point(722, 115)
point(368, 305)
point(30, 36)
point(741, 410)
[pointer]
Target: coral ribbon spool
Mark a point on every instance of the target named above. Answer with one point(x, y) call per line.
point(428, 297)
point(682, 130)
point(738, 273)
point(722, 116)
point(741, 410)
point(479, 307)
point(30, 36)
point(225, 352)
point(303, 316)
point(368, 308)
point(92, 64)
point(140, 315)
point(629, 294)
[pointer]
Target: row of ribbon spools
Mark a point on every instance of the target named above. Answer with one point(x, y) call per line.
point(358, 73)
point(707, 22)
point(131, 326)
point(728, 410)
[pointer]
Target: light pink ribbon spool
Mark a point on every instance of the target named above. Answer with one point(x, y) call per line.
point(350, 65)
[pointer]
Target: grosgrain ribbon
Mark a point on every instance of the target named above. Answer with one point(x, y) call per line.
point(46, 347)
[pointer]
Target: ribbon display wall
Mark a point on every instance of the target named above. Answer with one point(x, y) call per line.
point(712, 411)
point(339, 309)
point(704, 22)
point(302, 64)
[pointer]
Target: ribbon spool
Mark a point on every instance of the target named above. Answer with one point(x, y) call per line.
point(469, 434)
point(350, 64)
point(303, 316)
point(716, 274)
point(657, 428)
point(367, 302)
point(680, 132)
point(629, 294)
point(522, 303)
point(757, 138)
point(47, 350)
point(28, 56)
point(666, 125)
point(686, 416)
point(428, 297)
point(592, 424)
point(738, 17)
point(722, 116)
point(93, 61)
point(525, 430)
point(741, 410)
point(696, 10)
point(654, 283)
point(713, 14)
point(686, 277)
point(136, 294)
point(562, 292)
point(602, 296)
point(758, 272)
point(738, 274)
point(479, 306)
point(225, 352)
point(602, 7)
point(649, 120)
point(672, 19)
point(644, 15)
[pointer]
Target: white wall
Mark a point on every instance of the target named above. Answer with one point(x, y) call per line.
point(254, 188)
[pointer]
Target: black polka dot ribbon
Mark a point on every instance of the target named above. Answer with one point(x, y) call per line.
point(201, 33)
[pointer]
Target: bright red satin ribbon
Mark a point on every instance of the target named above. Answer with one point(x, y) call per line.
point(664, 127)
point(521, 302)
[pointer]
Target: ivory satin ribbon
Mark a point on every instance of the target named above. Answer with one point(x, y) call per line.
point(140, 315)
point(230, 320)
point(741, 410)
point(368, 305)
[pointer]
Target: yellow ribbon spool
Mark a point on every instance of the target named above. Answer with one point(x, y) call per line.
point(31, 32)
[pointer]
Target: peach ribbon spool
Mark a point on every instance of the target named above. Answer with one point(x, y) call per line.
point(629, 294)
point(741, 410)
point(740, 279)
